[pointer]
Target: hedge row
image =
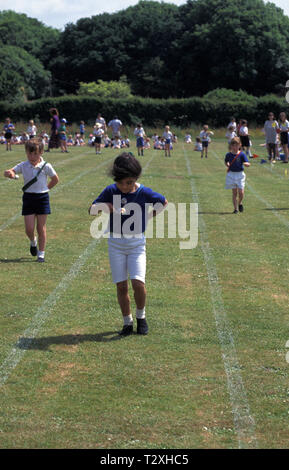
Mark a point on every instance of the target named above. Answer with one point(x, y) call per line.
point(151, 112)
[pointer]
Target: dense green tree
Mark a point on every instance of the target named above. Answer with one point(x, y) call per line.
point(232, 44)
point(135, 42)
point(22, 75)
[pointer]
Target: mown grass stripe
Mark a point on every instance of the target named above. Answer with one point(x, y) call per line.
point(18, 351)
point(243, 420)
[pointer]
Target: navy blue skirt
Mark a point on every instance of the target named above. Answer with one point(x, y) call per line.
point(35, 203)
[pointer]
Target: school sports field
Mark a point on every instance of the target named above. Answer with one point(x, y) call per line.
point(212, 373)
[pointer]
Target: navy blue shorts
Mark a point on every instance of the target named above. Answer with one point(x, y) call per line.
point(140, 142)
point(205, 144)
point(35, 203)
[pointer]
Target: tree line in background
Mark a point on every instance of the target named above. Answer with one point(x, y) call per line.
point(153, 49)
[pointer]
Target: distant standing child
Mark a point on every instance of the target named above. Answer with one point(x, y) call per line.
point(244, 136)
point(235, 160)
point(127, 251)
point(36, 204)
point(8, 129)
point(62, 136)
point(271, 127)
point(168, 138)
point(31, 129)
point(140, 135)
point(230, 134)
point(205, 139)
point(232, 124)
point(284, 129)
point(98, 133)
point(82, 129)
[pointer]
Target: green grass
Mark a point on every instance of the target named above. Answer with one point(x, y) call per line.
point(78, 385)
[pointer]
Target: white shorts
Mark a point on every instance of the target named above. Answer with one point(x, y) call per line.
point(235, 179)
point(127, 257)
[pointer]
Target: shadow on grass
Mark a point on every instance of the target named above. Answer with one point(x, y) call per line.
point(215, 213)
point(276, 209)
point(44, 343)
point(16, 260)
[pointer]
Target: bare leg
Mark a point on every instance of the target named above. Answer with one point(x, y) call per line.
point(139, 293)
point(123, 297)
point(41, 230)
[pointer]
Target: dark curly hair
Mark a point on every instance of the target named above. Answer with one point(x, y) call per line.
point(125, 166)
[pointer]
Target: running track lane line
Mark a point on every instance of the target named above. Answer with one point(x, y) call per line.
point(42, 313)
point(243, 420)
point(261, 199)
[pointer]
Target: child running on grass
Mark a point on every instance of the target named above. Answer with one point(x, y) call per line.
point(205, 139)
point(140, 135)
point(127, 247)
point(235, 160)
point(168, 137)
point(36, 204)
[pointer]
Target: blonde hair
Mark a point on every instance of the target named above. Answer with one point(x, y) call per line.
point(235, 140)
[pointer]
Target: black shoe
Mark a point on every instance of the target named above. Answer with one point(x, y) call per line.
point(241, 208)
point(33, 250)
point(142, 326)
point(40, 259)
point(127, 330)
point(235, 211)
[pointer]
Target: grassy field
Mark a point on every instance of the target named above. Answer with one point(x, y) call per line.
point(212, 373)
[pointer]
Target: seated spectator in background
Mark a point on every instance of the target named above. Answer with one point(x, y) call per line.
point(230, 134)
point(23, 138)
point(106, 141)
point(127, 141)
point(198, 145)
point(188, 139)
point(175, 139)
point(157, 144)
point(69, 140)
point(147, 144)
point(2, 138)
point(117, 143)
point(91, 140)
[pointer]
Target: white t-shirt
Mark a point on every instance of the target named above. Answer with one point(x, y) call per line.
point(243, 130)
point(29, 171)
point(230, 135)
point(168, 135)
point(101, 121)
point(204, 135)
point(32, 130)
point(284, 126)
point(98, 132)
point(232, 124)
point(139, 132)
point(115, 124)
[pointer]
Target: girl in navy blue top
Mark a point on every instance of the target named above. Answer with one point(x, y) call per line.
point(128, 203)
point(235, 160)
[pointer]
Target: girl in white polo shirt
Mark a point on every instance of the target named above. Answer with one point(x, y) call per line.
point(36, 204)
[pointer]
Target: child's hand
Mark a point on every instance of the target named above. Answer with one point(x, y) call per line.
point(9, 174)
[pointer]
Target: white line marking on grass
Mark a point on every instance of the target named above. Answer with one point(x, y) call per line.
point(42, 313)
point(243, 420)
point(261, 199)
point(56, 190)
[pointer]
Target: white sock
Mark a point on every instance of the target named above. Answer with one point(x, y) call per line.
point(33, 242)
point(140, 313)
point(127, 320)
point(41, 254)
